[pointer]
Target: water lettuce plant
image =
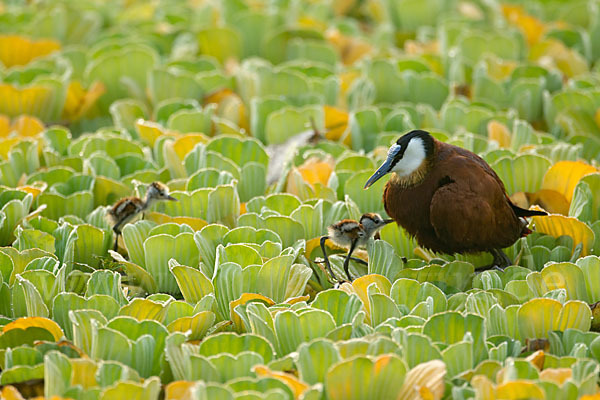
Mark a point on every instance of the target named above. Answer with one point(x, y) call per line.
point(265, 119)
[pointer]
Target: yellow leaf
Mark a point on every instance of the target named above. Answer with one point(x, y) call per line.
point(341, 7)
point(360, 285)
point(557, 225)
point(298, 387)
point(16, 101)
point(181, 390)
point(498, 68)
point(38, 322)
point(349, 48)
point(150, 131)
point(499, 132)
point(19, 50)
point(425, 381)
point(229, 106)
point(186, 143)
point(195, 223)
point(10, 393)
point(6, 145)
point(5, 128)
point(35, 188)
point(308, 22)
point(336, 124)
point(564, 175)
point(27, 126)
point(549, 200)
point(244, 299)
point(556, 375)
point(537, 359)
point(596, 118)
point(590, 396)
point(519, 390)
point(314, 170)
point(418, 48)
point(198, 324)
point(297, 299)
point(315, 243)
point(484, 388)
point(142, 309)
point(347, 78)
point(424, 254)
point(533, 29)
point(79, 100)
point(84, 372)
point(519, 199)
point(552, 53)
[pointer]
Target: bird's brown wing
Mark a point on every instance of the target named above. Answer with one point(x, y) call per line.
point(470, 211)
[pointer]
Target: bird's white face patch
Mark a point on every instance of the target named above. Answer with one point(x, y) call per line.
point(413, 157)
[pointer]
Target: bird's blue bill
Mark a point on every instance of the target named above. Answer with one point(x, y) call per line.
point(383, 170)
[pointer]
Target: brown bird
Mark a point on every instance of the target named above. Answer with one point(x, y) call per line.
point(128, 208)
point(351, 234)
point(449, 198)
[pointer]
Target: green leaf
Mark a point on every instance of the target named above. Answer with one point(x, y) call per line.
point(224, 205)
point(124, 390)
point(25, 291)
point(293, 329)
point(33, 238)
point(221, 43)
point(156, 262)
point(108, 283)
point(539, 316)
point(193, 284)
point(228, 286)
point(383, 259)
point(315, 359)
point(207, 240)
point(341, 305)
point(289, 121)
point(167, 83)
point(362, 377)
point(65, 302)
point(236, 344)
point(510, 171)
point(128, 64)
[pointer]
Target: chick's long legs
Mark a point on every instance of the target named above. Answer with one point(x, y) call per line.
point(322, 242)
point(347, 260)
point(116, 246)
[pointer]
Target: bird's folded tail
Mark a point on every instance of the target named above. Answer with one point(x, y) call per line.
point(521, 212)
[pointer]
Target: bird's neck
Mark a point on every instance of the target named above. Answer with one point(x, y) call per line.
point(414, 178)
point(148, 202)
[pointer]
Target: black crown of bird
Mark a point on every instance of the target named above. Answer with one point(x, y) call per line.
point(126, 209)
point(448, 198)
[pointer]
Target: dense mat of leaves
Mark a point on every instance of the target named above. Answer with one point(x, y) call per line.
point(217, 295)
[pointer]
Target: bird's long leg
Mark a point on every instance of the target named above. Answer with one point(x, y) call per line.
point(116, 246)
point(117, 232)
point(359, 260)
point(347, 260)
point(327, 264)
point(500, 262)
point(501, 259)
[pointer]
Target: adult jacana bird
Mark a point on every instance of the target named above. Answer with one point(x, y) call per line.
point(126, 209)
point(351, 234)
point(449, 198)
